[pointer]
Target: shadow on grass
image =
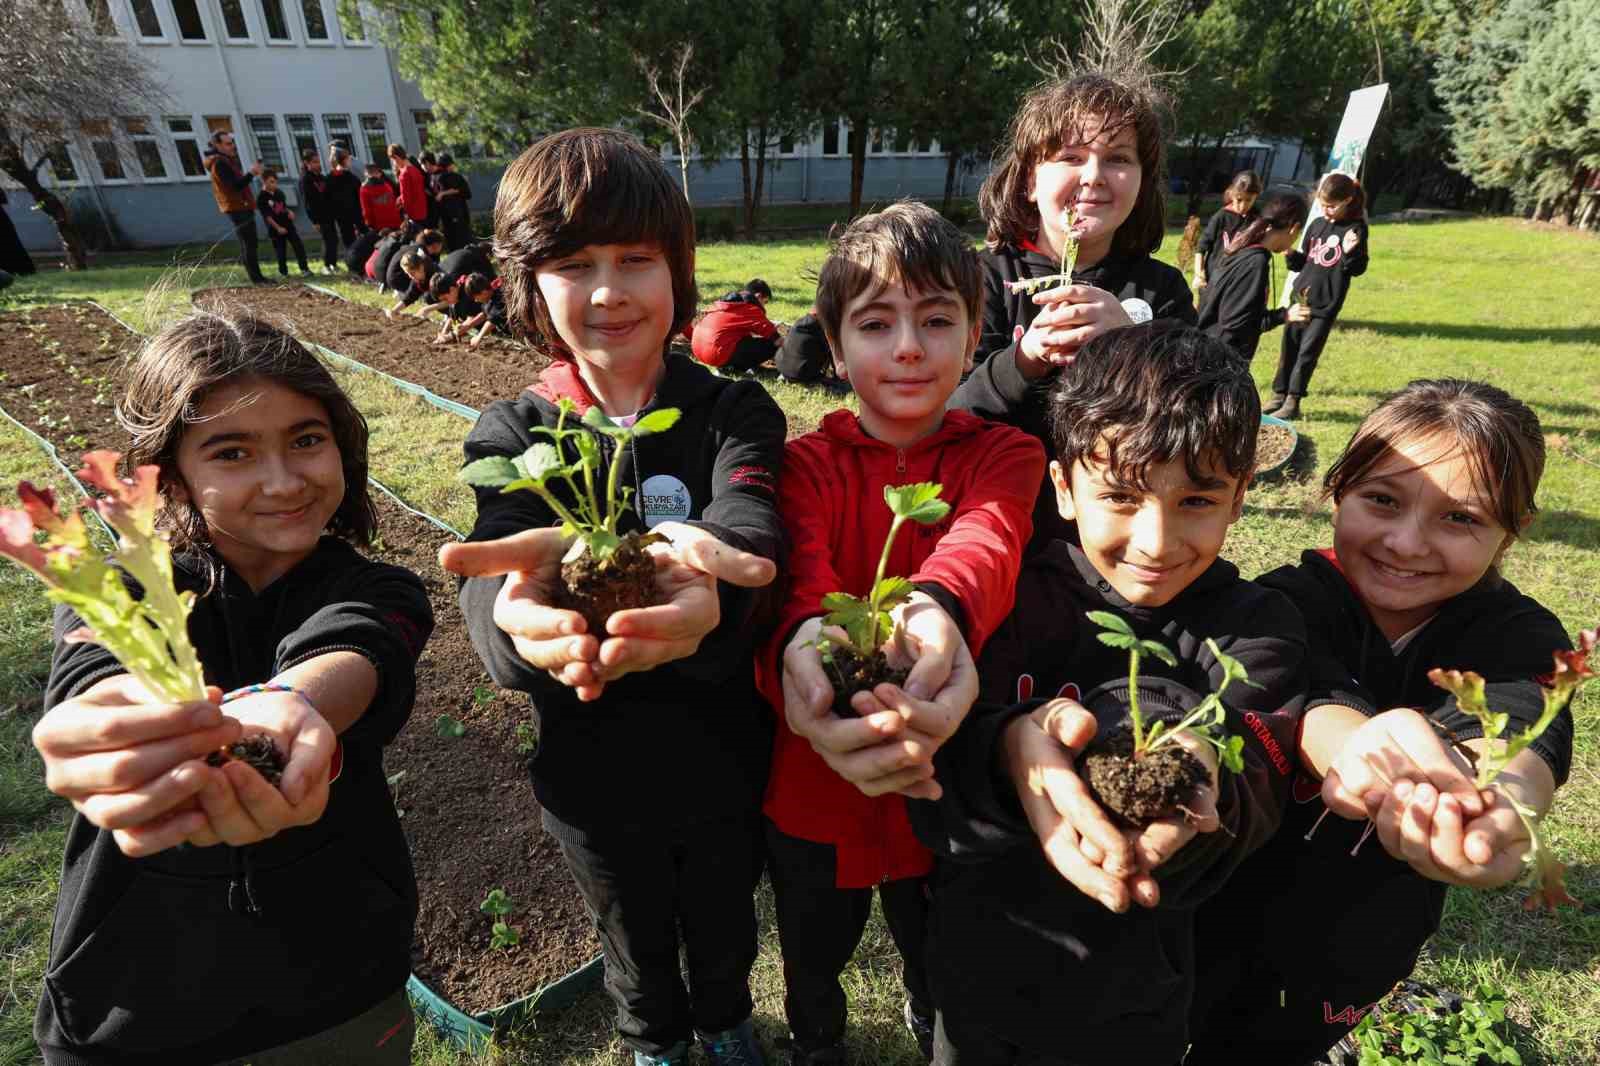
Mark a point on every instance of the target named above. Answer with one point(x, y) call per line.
point(1567, 527)
point(1457, 331)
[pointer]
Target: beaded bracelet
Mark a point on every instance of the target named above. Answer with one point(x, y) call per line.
point(268, 686)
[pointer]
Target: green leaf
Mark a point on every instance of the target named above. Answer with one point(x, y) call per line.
point(597, 420)
point(842, 601)
point(540, 461)
point(490, 472)
point(657, 421)
point(1114, 622)
point(449, 726)
point(920, 502)
point(892, 591)
point(1159, 650)
point(1231, 754)
point(1118, 640)
point(601, 543)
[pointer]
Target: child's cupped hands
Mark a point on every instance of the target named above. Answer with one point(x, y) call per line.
point(1070, 317)
point(1428, 830)
point(1391, 747)
point(131, 764)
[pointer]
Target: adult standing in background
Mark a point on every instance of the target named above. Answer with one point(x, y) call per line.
point(344, 193)
point(14, 258)
point(230, 184)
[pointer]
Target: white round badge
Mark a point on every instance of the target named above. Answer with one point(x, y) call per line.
point(1138, 310)
point(663, 498)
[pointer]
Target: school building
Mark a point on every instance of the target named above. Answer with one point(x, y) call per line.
point(285, 75)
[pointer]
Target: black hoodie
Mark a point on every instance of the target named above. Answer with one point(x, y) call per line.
point(1493, 629)
point(690, 740)
point(1015, 949)
point(197, 955)
point(1325, 268)
point(1214, 240)
point(1235, 307)
point(997, 390)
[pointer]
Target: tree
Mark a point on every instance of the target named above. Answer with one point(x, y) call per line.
point(56, 75)
point(855, 76)
point(673, 103)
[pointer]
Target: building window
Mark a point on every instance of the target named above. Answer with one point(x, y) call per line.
point(187, 12)
point(103, 143)
point(375, 132)
point(188, 146)
point(100, 18)
point(144, 16)
point(316, 23)
point(830, 138)
point(303, 135)
point(264, 135)
point(422, 120)
point(786, 145)
point(272, 15)
point(337, 128)
point(61, 164)
point(233, 20)
point(146, 149)
point(350, 21)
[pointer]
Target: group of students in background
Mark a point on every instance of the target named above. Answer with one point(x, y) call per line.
point(1094, 449)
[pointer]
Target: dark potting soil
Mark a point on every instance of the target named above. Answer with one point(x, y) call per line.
point(1274, 445)
point(850, 673)
point(1136, 792)
point(402, 347)
point(599, 590)
point(260, 752)
point(471, 817)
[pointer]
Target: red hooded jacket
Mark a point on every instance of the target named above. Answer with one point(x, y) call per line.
point(414, 193)
point(831, 500)
point(727, 323)
point(378, 207)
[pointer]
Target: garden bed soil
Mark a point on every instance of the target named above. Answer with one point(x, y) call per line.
point(402, 347)
point(470, 814)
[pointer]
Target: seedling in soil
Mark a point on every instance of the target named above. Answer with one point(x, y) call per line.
point(527, 740)
point(149, 636)
point(1069, 259)
point(605, 571)
point(450, 727)
point(857, 663)
point(497, 905)
point(1544, 872)
point(1139, 772)
point(482, 696)
point(393, 781)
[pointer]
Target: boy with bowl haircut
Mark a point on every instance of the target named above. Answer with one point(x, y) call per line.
point(898, 298)
point(1155, 437)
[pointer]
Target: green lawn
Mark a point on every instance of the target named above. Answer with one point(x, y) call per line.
point(1499, 300)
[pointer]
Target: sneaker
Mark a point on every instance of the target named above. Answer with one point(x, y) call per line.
point(733, 1047)
point(920, 1026)
point(676, 1055)
point(1290, 409)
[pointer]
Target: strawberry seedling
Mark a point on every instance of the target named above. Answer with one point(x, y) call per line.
point(856, 662)
point(1138, 771)
point(605, 571)
point(1544, 872)
point(497, 905)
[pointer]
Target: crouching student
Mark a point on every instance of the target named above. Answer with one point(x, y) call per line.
point(206, 916)
point(736, 333)
point(444, 295)
point(1058, 938)
point(411, 268)
point(484, 292)
point(803, 356)
point(653, 741)
point(898, 296)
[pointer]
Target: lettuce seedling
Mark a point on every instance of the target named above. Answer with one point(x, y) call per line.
point(1204, 721)
point(596, 509)
point(1544, 872)
point(1069, 260)
point(149, 636)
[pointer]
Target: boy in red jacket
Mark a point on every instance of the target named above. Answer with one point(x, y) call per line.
point(380, 210)
point(898, 298)
point(736, 333)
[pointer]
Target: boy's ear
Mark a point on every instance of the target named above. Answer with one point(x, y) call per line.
point(840, 367)
point(1062, 480)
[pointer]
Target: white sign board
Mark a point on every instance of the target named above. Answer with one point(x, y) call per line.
point(1349, 149)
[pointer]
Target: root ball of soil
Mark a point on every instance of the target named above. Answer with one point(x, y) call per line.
point(260, 752)
point(1136, 792)
point(597, 590)
point(850, 673)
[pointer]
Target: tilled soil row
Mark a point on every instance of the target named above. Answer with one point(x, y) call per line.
point(469, 810)
point(496, 370)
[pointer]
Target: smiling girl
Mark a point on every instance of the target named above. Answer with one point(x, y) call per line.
point(282, 932)
point(1436, 485)
point(1093, 146)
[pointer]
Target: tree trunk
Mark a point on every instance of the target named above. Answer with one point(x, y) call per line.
point(952, 159)
point(744, 175)
point(683, 165)
point(72, 243)
point(761, 174)
point(858, 161)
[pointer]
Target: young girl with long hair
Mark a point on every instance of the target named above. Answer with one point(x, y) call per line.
point(1238, 211)
point(1235, 306)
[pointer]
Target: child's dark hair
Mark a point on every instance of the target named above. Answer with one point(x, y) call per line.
point(1499, 435)
point(440, 284)
point(1066, 112)
point(415, 259)
point(425, 157)
point(1143, 395)
point(1280, 211)
point(758, 287)
point(430, 236)
point(179, 367)
point(1337, 188)
point(373, 164)
point(908, 243)
point(308, 154)
point(269, 173)
point(1244, 183)
point(581, 187)
point(475, 283)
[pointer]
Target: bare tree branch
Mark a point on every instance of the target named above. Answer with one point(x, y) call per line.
point(675, 101)
point(1121, 39)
